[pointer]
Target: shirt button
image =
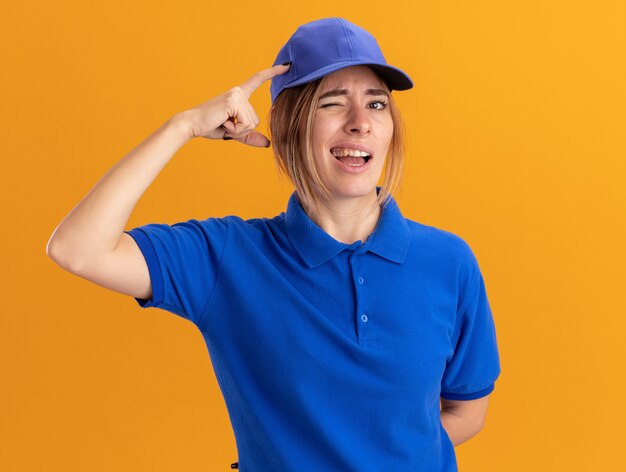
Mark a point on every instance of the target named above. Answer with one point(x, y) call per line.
point(361, 280)
point(364, 318)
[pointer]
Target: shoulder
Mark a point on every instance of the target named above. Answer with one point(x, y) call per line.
point(246, 231)
point(447, 252)
point(438, 240)
point(252, 225)
point(442, 248)
point(238, 223)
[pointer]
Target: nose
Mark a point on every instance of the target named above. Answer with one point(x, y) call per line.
point(358, 121)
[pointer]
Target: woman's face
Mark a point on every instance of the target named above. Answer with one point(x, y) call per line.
point(352, 118)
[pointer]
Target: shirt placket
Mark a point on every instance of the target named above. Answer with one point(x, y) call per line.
point(361, 314)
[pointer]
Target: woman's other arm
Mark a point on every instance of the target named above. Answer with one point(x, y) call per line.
point(463, 419)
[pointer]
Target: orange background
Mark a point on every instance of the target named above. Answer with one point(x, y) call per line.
point(517, 143)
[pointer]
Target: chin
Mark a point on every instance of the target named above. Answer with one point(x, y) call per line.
point(353, 190)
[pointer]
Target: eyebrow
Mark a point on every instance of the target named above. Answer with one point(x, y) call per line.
point(338, 92)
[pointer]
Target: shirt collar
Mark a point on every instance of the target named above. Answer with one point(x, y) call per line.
point(315, 246)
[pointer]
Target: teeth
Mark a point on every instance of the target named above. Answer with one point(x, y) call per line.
point(348, 152)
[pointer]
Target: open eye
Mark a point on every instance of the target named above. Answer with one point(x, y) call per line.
point(381, 104)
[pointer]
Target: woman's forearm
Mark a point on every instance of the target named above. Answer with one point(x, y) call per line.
point(459, 428)
point(96, 223)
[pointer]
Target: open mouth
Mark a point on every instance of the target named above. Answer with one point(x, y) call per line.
point(351, 157)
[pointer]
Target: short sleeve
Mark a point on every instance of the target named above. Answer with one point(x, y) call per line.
point(183, 260)
point(472, 370)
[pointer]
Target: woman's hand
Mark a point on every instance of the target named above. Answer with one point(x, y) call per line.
point(230, 114)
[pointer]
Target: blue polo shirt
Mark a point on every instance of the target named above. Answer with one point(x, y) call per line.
point(330, 356)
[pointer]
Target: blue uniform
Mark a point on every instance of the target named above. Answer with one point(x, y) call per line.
point(330, 356)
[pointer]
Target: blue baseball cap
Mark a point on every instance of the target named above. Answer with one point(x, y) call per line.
point(324, 46)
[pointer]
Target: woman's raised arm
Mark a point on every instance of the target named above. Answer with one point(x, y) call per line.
point(89, 240)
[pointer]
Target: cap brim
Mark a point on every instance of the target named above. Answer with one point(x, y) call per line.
point(394, 77)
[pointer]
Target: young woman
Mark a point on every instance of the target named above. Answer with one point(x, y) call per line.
point(337, 327)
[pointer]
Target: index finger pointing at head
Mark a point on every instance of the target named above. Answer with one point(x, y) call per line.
point(257, 79)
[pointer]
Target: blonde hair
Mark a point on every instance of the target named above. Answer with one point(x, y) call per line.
point(291, 123)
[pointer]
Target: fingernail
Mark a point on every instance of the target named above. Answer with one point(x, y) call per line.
point(286, 63)
point(226, 138)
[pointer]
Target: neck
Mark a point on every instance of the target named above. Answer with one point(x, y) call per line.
point(349, 219)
